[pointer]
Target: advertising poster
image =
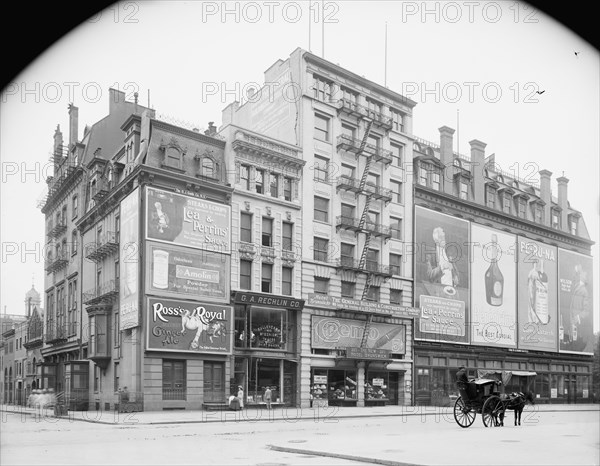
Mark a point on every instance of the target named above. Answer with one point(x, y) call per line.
point(493, 288)
point(336, 333)
point(183, 272)
point(187, 221)
point(189, 327)
point(129, 240)
point(575, 325)
point(537, 287)
point(441, 276)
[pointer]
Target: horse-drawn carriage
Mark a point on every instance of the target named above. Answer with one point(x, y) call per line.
point(484, 396)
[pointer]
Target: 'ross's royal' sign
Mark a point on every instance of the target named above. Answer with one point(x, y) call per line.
point(182, 326)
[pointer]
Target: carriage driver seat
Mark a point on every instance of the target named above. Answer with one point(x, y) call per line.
point(467, 391)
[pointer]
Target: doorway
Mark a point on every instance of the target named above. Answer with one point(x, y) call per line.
point(214, 382)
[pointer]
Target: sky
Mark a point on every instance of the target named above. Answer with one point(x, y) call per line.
point(500, 72)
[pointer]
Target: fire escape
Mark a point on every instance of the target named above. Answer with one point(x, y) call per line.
point(370, 192)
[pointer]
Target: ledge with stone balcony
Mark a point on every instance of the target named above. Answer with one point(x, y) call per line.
point(104, 293)
point(57, 263)
point(351, 144)
point(107, 244)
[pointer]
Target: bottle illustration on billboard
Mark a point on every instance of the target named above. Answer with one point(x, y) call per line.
point(160, 269)
point(538, 293)
point(494, 280)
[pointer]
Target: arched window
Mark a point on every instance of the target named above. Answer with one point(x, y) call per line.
point(74, 242)
point(208, 167)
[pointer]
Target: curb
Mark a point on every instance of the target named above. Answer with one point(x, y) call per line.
point(363, 459)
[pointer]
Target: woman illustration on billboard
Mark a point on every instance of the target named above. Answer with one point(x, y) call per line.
point(441, 268)
point(579, 309)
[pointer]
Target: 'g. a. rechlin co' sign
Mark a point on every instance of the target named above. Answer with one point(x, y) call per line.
point(188, 221)
point(190, 327)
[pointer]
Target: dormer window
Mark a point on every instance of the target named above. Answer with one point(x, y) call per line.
point(555, 219)
point(521, 207)
point(173, 157)
point(490, 197)
point(506, 201)
point(208, 167)
point(573, 224)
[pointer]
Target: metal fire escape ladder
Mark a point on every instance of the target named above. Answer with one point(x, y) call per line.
point(367, 330)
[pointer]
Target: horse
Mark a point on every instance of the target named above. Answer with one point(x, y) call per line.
point(515, 401)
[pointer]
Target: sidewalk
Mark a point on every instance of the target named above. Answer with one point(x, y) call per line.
point(289, 414)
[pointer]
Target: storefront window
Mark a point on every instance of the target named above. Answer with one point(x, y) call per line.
point(542, 385)
point(264, 373)
point(582, 386)
point(438, 384)
point(423, 379)
point(341, 386)
point(266, 328)
point(377, 388)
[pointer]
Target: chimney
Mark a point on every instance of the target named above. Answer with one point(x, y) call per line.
point(73, 124)
point(478, 165)
point(116, 98)
point(546, 194)
point(58, 148)
point(563, 202)
point(212, 129)
point(447, 158)
point(228, 114)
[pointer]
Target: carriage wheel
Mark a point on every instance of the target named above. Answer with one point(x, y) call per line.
point(492, 411)
point(463, 415)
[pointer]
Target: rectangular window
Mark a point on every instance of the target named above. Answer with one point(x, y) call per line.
point(396, 227)
point(266, 280)
point(397, 120)
point(555, 219)
point(260, 181)
point(96, 378)
point(287, 232)
point(463, 191)
point(348, 131)
point(372, 263)
point(373, 179)
point(435, 180)
point(321, 209)
point(173, 380)
point(373, 294)
point(506, 200)
point(286, 281)
point(395, 296)
point(246, 227)
point(320, 249)
point(75, 206)
point(245, 176)
point(116, 377)
point(322, 89)
point(397, 154)
point(245, 275)
point(347, 254)
point(321, 285)
point(347, 171)
point(321, 169)
point(573, 226)
point(348, 211)
point(522, 207)
point(396, 187)
point(287, 188)
point(538, 213)
point(422, 176)
point(117, 331)
point(490, 197)
point(395, 264)
point(274, 185)
point(321, 127)
point(267, 232)
point(348, 289)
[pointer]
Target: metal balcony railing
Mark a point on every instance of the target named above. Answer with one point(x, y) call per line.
point(100, 190)
point(104, 293)
point(107, 244)
point(351, 144)
point(55, 230)
point(57, 263)
point(379, 192)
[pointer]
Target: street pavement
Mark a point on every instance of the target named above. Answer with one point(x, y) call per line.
point(393, 435)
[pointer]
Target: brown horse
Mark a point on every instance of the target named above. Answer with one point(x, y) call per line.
point(515, 401)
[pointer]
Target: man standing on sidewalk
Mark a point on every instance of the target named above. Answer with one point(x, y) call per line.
point(268, 395)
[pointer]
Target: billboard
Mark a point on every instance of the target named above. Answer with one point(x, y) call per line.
point(129, 239)
point(338, 333)
point(188, 327)
point(187, 221)
point(441, 276)
point(575, 325)
point(185, 273)
point(493, 288)
point(537, 295)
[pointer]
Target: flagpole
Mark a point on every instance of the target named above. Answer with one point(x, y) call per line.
point(385, 59)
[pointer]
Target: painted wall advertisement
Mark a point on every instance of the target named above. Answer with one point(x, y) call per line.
point(337, 333)
point(537, 295)
point(191, 327)
point(181, 272)
point(493, 287)
point(187, 221)
point(575, 325)
point(129, 239)
point(441, 276)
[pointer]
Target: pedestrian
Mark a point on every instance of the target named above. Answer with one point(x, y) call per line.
point(240, 395)
point(267, 396)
